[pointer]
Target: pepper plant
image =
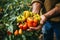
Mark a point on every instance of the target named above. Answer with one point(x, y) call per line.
point(9, 10)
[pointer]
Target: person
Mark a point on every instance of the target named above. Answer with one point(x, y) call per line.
point(50, 18)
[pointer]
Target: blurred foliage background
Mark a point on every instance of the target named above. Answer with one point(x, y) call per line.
point(9, 10)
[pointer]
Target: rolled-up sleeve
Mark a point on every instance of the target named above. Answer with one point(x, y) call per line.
point(39, 1)
point(58, 4)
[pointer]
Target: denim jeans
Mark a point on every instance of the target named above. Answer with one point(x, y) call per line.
point(49, 28)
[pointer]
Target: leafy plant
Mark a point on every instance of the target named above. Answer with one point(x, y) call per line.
point(10, 10)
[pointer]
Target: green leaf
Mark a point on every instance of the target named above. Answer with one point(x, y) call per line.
point(24, 37)
point(10, 37)
point(28, 33)
point(1, 26)
point(10, 28)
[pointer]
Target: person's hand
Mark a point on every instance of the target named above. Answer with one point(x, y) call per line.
point(42, 21)
point(37, 10)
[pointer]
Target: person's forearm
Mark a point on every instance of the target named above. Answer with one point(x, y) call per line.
point(52, 12)
point(36, 7)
